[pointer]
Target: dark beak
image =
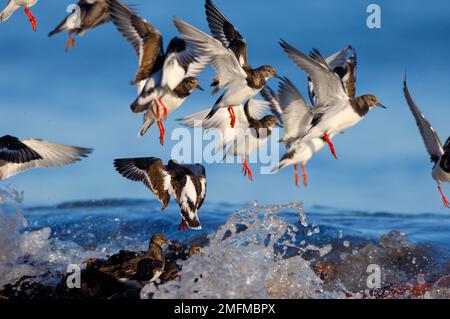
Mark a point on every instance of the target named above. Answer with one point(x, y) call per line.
point(276, 76)
point(279, 125)
point(381, 105)
point(200, 88)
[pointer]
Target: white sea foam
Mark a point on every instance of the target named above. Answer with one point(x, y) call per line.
point(31, 253)
point(244, 260)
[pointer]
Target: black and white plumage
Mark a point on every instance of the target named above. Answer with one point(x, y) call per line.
point(335, 111)
point(165, 79)
point(224, 31)
point(87, 15)
point(17, 156)
point(186, 183)
point(160, 97)
point(145, 39)
point(440, 155)
point(252, 129)
point(296, 116)
point(238, 80)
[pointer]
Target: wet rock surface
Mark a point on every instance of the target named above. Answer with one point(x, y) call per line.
point(97, 284)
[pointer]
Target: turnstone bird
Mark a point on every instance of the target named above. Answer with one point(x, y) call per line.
point(335, 111)
point(17, 156)
point(296, 116)
point(440, 155)
point(187, 184)
point(87, 15)
point(144, 268)
point(251, 131)
point(172, 77)
point(13, 5)
point(239, 81)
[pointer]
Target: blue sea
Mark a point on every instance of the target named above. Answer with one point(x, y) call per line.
point(249, 247)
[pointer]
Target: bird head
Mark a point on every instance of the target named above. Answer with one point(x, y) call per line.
point(160, 240)
point(191, 83)
point(372, 101)
point(270, 121)
point(268, 72)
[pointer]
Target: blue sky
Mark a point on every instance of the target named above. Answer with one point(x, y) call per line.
point(82, 98)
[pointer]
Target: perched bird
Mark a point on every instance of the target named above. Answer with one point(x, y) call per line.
point(335, 111)
point(144, 268)
point(187, 184)
point(239, 81)
point(296, 116)
point(165, 80)
point(13, 5)
point(440, 155)
point(86, 15)
point(251, 131)
point(17, 156)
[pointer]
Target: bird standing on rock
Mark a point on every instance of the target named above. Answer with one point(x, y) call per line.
point(144, 268)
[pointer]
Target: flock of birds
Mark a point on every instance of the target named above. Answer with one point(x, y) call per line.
point(166, 78)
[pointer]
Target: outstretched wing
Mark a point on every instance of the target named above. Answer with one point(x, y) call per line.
point(145, 39)
point(49, 155)
point(221, 120)
point(297, 115)
point(148, 170)
point(274, 101)
point(344, 66)
point(327, 84)
point(223, 59)
point(182, 60)
point(429, 135)
point(224, 31)
point(12, 150)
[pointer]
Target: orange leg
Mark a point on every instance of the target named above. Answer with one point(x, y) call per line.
point(162, 132)
point(297, 177)
point(444, 199)
point(31, 18)
point(162, 129)
point(246, 169)
point(155, 109)
point(232, 116)
point(327, 139)
point(183, 226)
point(70, 42)
point(305, 175)
point(164, 108)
